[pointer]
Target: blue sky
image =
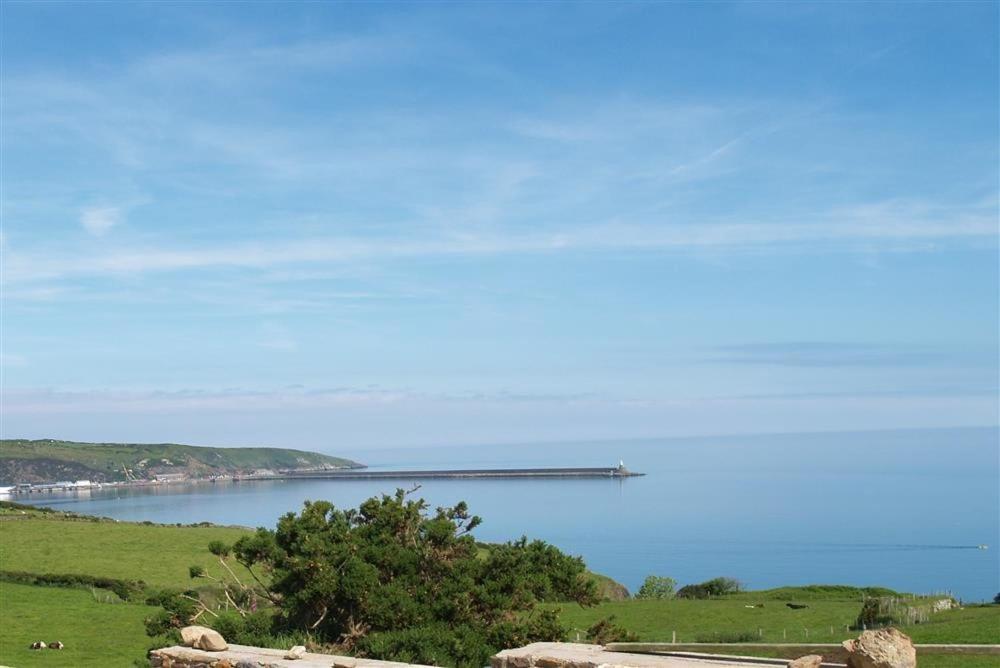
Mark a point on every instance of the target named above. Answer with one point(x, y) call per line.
point(376, 225)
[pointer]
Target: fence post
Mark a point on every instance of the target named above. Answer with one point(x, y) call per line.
point(784, 634)
point(674, 640)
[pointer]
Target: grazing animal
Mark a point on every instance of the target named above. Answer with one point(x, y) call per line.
point(796, 606)
point(38, 644)
point(56, 645)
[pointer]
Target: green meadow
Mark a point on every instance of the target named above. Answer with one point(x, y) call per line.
point(825, 620)
point(101, 630)
point(158, 555)
point(95, 633)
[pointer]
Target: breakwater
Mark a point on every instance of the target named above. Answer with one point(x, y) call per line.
point(348, 474)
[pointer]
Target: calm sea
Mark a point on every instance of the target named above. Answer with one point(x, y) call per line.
point(902, 509)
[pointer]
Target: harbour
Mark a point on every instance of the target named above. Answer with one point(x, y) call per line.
point(619, 471)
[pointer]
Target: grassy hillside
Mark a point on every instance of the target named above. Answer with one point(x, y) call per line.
point(47, 460)
point(95, 633)
point(58, 543)
point(728, 619)
point(99, 630)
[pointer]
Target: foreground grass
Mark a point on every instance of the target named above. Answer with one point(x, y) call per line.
point(95, 634)
point(724, 620)
point(103, 634)
point(158, 555)
point(720, 620)
point(924, 659)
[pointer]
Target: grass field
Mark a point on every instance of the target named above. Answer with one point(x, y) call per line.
point(825, 620)
point(112, 634)
point(158, 555)
point(95, 634)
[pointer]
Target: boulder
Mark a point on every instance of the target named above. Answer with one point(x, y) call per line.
point(808, 661)
point(212, 641)
point(884, 648)
point(190, 634)
point(296, 652)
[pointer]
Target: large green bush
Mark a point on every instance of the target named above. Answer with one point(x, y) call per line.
point(710, 588)
point(657, 587)
point(391, 580)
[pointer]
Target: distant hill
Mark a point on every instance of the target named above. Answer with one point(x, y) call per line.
point(49, 460)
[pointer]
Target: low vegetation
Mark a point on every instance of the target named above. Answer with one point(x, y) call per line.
point(95, 633)
point(52, 542)
point(390, 580)
point(59, 583)
point(822, 614)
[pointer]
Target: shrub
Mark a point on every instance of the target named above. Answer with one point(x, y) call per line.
point(710, 588)
point(126, 590)
point(887, 610)
point(657, 587)
point(390, 580)
point(727, 637)
point(605, 630)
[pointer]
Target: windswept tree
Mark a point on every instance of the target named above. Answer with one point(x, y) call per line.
point(392, 580)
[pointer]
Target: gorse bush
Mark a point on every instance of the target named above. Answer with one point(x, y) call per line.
point(710, 588)
point(605, 630)
point(657, 587)
point(391, 580)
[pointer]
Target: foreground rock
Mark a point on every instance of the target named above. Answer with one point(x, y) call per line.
point(809, 661)
point(212, 641)
point(885, 648)
point(241, 656)
point(296, 652)
point(578, 655)
point(202, 637)
point(190, 634)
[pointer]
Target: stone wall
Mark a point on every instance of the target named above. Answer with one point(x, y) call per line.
point(242, 656)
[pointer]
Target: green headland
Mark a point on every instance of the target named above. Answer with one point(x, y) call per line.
point(49, 460)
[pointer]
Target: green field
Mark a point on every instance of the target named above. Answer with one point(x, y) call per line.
point(101, 633)
point(95, 634)
point(826, 619)
point(157, 555)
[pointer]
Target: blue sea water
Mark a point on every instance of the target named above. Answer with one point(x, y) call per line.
point(904, 509)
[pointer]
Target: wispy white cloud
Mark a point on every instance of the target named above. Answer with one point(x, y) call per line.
point(891, 221)
point(98, 220)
